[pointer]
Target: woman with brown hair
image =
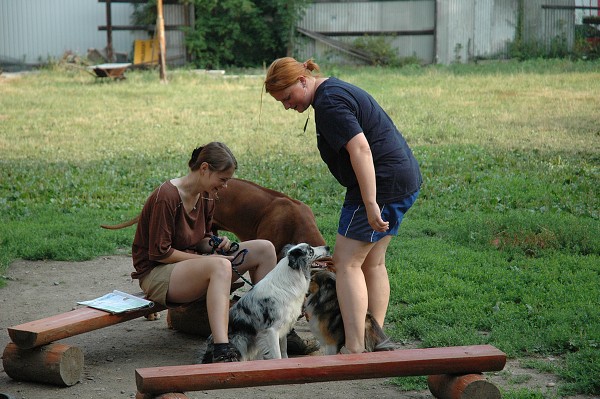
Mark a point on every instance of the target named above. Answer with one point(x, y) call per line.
point(172, 252)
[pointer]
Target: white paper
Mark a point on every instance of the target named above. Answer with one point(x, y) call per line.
point(118, 302)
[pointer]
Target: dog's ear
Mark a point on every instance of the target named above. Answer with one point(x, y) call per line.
point(298, 256)
point(286, 248)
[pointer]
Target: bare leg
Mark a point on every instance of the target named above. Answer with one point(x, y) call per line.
point(348, 258)
point(210, 275)
point(259, 261)
point(376, 277)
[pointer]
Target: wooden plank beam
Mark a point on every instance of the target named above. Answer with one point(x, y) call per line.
point(409, 362)
point(141, 27)
point(78, 321)
point(43, 331)
point(420, 32)
point(177, 2)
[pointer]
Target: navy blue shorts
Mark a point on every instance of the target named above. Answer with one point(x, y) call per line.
point(354, 223)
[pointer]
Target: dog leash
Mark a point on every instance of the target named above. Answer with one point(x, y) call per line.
point(215, 241)
point(242, 253)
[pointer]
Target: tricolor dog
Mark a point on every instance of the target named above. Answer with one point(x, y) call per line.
point(325, 319)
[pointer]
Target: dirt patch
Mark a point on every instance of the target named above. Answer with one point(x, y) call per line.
point(41, 289)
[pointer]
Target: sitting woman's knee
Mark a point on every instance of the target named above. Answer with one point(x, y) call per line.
point(221, 269)
point(267, 247)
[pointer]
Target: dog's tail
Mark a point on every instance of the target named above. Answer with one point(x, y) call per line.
point(375, 339)
point(121, 225)
point(385, 345)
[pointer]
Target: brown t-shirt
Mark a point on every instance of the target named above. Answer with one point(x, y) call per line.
point(165, 225)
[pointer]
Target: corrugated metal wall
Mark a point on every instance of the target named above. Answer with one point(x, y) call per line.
point(369, 16)
point(175, 39)
point(32, 31)
point(470, 29)
point(465, 29)
point(35, 30)
point(541, 25)
point(555, 24)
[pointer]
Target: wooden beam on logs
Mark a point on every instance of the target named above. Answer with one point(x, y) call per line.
point(409, 362)
point(469, 386)
point(78, 321)
point(56, 364)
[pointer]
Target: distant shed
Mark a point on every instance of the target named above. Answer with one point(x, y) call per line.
point(36, 31)
point(435, 31)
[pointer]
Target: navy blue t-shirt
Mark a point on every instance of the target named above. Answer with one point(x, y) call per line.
point(342, 111)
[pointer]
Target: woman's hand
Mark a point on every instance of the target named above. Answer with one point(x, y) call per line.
point(224, 245)
point(214, 244)
point(375, 220)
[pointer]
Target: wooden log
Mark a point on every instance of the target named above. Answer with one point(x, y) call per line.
point(469, 386)
point(190, 319)
point(193, 318)
point(410, 362)
point(43, 331)
point(170, 395)
point(56, 364)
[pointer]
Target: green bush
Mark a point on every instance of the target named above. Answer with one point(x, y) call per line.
point(229, 32)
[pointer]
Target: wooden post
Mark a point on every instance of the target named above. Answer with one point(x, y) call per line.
point(56, 364)
point(469, 386)
point(162, 48)
point(109, 44)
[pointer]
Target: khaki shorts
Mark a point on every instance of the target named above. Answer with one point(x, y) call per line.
point(155, 284)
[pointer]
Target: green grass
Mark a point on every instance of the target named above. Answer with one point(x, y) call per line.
point(502, 247)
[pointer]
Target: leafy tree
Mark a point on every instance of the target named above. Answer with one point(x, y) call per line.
point(241, 33)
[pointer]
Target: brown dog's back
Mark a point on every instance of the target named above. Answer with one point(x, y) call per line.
point(254, 212)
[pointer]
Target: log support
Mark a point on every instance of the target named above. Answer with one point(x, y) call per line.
point(190, 319)
point(193, 318)
point(469, 386)
point(56, 364)
point(172, 395)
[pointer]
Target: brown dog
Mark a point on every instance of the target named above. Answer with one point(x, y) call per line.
point(251, 212)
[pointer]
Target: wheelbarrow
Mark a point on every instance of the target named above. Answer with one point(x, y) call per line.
point(114, 71)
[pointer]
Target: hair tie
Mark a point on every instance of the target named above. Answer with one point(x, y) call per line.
point(196, 153)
